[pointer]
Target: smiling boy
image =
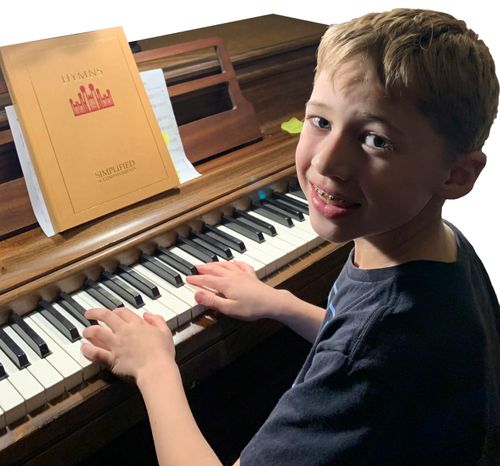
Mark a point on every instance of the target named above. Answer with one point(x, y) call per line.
point(405, 364)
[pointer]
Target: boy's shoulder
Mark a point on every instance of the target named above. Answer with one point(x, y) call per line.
point(427, 300)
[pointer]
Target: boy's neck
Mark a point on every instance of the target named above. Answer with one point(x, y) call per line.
point(433, 241)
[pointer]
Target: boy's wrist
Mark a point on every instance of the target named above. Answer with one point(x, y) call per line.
point(283, 305)
point(155, 371)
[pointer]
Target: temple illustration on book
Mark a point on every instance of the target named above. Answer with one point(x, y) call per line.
point(91, 101)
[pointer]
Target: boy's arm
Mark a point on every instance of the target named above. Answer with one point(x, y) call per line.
point(233, 289)
point(143, 349)
point(175, 433)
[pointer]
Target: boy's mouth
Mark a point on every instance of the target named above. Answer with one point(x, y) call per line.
point(332, 199)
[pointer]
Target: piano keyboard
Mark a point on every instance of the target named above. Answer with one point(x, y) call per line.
point(40, 358)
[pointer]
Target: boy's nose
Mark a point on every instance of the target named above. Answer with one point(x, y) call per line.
point(334, 158)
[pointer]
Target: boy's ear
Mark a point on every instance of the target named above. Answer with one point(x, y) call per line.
point(462, 175)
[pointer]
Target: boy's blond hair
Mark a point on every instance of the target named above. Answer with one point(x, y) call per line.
point(431, 58)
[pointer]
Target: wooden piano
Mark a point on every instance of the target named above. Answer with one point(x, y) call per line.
point(273, 58)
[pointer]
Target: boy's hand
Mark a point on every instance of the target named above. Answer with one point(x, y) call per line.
point(128, 344)
point(237, 292)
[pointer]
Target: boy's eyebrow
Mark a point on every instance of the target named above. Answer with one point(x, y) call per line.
point(374, 117)
point(317, 103)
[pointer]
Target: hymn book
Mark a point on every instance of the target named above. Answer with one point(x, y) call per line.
point(93, 142)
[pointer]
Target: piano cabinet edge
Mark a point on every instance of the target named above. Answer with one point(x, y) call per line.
point(104, 407)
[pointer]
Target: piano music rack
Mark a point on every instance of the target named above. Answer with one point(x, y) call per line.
point(217, 132)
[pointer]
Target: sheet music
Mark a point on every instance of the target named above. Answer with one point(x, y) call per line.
point(30, 177)
point(156, 88)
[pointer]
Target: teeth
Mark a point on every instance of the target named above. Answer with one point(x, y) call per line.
point(328, 198)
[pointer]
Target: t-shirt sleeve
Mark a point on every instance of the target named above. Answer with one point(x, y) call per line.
point(329, 418)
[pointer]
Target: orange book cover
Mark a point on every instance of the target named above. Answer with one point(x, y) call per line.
point(91, 134)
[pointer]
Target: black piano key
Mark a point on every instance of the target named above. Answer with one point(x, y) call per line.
point(35, 341)
point(162, 270)
point(173, 260)
point(3, 374)
point(281, 218)
point(292, 203)
point(303, 201)
point(212, 244)
point(278, 207)
point(75, 309)
point(257, 223)
point(122, 289)
point(294, 189)
point(234, 243)
point(12, 350)
point(102, 296)
point(138, 281)
point(59, 321)
point(196, 250)
point(243, 229)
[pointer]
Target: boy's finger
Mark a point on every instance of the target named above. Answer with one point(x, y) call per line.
point(98, 333)
point(206, 281)
point(155, 320)
point(244, 266)
point(212, 268)
point(104, 315)
point(126, 314)
point(212, 301)
point(95, 354)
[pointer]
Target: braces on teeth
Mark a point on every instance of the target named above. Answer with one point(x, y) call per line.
point(322, 193)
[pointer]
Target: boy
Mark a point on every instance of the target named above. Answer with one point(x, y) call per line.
point(405, 365)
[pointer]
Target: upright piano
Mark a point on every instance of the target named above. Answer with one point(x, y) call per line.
point(247, 186)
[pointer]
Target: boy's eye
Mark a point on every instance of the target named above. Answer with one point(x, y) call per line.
point(377, 142)
point(320, 122)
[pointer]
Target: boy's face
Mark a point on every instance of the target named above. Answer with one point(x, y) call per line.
point(368, 164)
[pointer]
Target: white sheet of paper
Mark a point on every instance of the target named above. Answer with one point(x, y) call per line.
point(156, 88)
point(34, 191)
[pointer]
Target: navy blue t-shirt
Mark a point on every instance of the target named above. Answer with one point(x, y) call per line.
point(405, 371)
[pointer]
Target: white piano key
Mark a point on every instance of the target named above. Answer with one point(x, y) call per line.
point(290, 250)
point(182, 296)
point(185, 293)
point(295, 197)
point(2, 418)
point(300, 239)
point(71, 348)
point(85, 300)
point(28, 387)
point(170, 317)
point(93, 368)
point(253, 251)
point(258, 266)
point(51, 380)
point(187, 332)
point(268, 254)
point(168, 302)
point(11, 402)
point(71, 371)
point(184, 255)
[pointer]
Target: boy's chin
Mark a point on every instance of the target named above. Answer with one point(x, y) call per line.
point(333, 235)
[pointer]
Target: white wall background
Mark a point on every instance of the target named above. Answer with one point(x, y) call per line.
point(477, 214)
